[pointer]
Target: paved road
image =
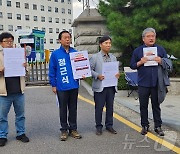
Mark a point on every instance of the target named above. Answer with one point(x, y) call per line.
point(42, 124)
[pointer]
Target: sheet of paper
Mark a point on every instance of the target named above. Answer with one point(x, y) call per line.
point(109, 70)
point(57, 101)
point(80, 64)
point(150, 53)
point(13, 62)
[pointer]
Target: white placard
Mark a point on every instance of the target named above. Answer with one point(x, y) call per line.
point(109, 70)
point(80, 64)
point(150, 53)
point(13, 62)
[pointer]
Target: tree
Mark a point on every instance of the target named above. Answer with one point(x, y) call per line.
point(127, 19)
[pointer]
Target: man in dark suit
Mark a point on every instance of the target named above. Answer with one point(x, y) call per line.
point(147, 64)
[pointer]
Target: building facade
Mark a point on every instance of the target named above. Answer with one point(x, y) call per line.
point(51, 16)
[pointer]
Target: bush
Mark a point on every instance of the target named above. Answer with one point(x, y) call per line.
point(88, 80)
point(121, 82)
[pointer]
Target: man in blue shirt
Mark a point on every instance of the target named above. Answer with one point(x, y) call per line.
point(65, 86)
point(147, 65)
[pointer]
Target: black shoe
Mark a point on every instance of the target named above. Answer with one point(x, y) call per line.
point(3, 141)
point(99, 131)
point(111, 130)
point(23, 138)
point(159, 131)
point(144, 130)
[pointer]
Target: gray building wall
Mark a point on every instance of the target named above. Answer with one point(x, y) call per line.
point(88, 28)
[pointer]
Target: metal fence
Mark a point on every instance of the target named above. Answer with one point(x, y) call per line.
point(37, 73)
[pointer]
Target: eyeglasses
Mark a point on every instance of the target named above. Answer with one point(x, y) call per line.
point(11, 42)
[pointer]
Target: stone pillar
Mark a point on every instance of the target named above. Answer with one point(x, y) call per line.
point(88, 28)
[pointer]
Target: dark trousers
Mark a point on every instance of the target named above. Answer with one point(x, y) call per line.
point(68, 108)
point(144, 94)
point(104, 98)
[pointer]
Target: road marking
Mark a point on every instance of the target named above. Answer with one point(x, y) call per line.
point(137, 128)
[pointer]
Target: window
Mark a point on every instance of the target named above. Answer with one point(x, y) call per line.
point(0, 2)
point(69, 21)
point(69, 1)
point(18, 16)
point(10, 27)
point(44, 41)
point(42, 19)
point(57, 30)
point(26, 17)
point(62, 1)
point(55, 0)
point(1, 15)
point(63, 21)
point(57, 41)
point(36, 28)
point(44, 29)
point(26, 5)
point(49, 9)
point(9, 15)
point(63, 10)
point(57, 20)
point(19, 27)
point(35, 18)
point(50, 19)
point(42, 7)
point(9, 3)
point(18, 4)
point(50, 30)
point(56, 10)
point(1, 28)
point(69, 11)
point(34, 7)
point(70, 31)
point(51, 41)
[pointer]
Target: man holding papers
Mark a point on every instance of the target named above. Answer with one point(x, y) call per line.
point(150, 60)
point(65, 86)
point(104, 67)
point(11, 92)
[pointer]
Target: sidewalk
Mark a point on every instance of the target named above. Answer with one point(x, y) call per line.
point(170, 108)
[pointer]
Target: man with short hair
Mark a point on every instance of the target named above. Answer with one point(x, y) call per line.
point(11, 92)
point(65, 86)
point(149, 78)
point(103, 96)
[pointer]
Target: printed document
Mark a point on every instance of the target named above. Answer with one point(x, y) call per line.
point(109, 70)
point(13, 62)
point(150, 53)
point(80, 64)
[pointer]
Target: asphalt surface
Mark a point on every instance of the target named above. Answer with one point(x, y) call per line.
point(42, 127)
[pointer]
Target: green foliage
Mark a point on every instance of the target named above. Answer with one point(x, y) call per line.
point(127, 19)
point(122, 82)
point(88, 80)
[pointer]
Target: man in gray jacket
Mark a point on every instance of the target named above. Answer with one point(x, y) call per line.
point(103, 96)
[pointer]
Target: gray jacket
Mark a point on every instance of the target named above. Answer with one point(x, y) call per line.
point(96, 62)
point(163, 79)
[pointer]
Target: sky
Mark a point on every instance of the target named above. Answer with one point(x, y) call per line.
point(78, 7)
